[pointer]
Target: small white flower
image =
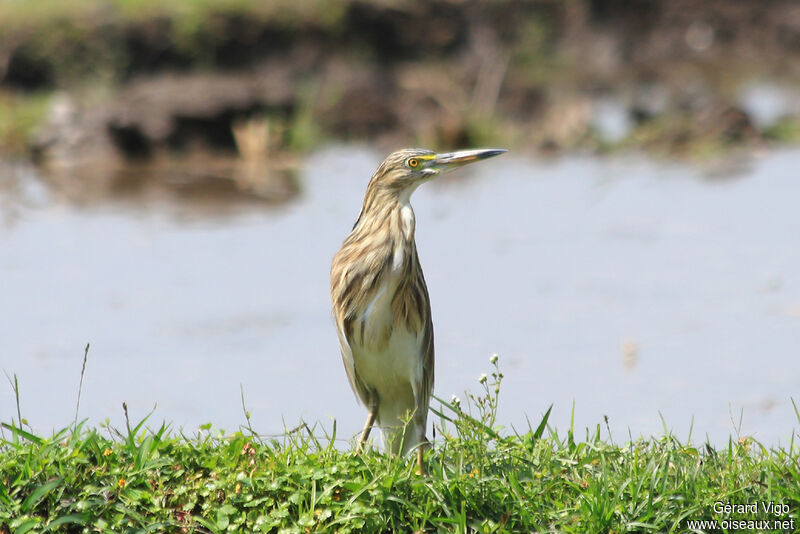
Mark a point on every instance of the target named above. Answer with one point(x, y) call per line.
point(455, 400)
point(493, 359)
point(482, 378)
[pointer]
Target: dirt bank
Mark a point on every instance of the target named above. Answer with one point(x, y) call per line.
point(257, 81)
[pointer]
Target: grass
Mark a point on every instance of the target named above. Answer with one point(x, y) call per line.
point(93, 47)
point(86, 42)
point(481, 478)
point(784, 130)
point(20, 117)
point(15, 14)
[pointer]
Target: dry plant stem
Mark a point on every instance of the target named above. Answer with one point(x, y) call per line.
point(80, 384)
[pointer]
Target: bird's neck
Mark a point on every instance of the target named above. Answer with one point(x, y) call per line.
point(409, 221)
point(394, 214)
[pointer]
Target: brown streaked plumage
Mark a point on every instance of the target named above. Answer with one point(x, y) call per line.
point(381, 304)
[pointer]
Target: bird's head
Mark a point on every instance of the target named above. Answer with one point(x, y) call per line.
point(404, 170)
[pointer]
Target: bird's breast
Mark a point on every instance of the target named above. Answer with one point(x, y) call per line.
point(385, 349)
point(391, 368)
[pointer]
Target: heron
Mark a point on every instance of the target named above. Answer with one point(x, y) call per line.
point(381, 304)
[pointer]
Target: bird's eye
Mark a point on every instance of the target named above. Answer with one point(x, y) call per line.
point(413, 163)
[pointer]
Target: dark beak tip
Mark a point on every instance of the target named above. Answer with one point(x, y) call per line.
point(464, 157)
point(491, 152)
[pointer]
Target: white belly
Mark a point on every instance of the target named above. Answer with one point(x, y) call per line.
point(392, 368)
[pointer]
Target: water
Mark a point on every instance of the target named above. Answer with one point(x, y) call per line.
point(631, 288)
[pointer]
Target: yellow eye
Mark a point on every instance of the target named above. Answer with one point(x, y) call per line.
point(413, 163)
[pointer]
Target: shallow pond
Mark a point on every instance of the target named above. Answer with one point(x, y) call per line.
point(631, 288)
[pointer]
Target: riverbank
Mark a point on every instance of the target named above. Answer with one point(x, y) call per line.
point(481, 478)
point(99, 83)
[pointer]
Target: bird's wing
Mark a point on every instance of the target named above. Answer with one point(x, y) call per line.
point(427, 365)
point(358, 387)
point(426, 352)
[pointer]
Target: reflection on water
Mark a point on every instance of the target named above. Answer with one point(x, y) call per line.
point(195, 185)
point(630, 287)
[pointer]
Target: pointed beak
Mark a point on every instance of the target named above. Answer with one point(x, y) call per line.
point(451, 160)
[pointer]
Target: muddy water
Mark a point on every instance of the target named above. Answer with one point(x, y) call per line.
point(632, 288)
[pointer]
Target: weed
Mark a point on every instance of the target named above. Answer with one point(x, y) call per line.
point(481, 478)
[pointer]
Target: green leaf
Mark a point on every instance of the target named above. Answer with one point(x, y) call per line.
point(205, 523)
point(223, 516)
point(27, 435)
point(75, 519)
point(39, 493)
point(222, 520)
point(537, 434)
point(143, 453)
point(24, 526)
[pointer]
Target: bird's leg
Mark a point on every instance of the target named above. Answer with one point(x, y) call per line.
point(373, 412)
point(365, 433)
point(420, 465)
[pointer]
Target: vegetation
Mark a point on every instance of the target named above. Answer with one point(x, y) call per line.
point(69, 44)
point(480, 478)
point(20, 116)
point(785, 130)
point(17, 15)
point(448, 74)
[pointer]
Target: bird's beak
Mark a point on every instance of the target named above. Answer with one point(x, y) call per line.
point(451, 160)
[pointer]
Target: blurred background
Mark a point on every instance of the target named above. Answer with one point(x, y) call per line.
point(176, 176)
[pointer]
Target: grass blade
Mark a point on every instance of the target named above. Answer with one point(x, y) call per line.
point(38, 494)
point(27, 435)
point(537, 434)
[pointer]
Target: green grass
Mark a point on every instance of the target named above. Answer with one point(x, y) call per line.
point(83, 42)
point(481, 478)
point(15, 14)
point(20, 117)
point(94, 47)
point(785, 130)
